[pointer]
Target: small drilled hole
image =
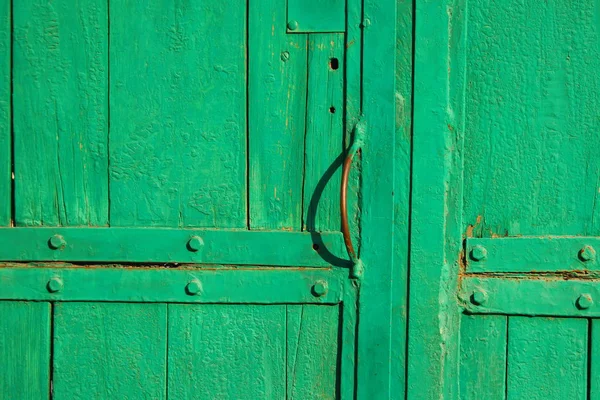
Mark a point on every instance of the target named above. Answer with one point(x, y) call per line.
point(315, 247)
point(334, 63)
point(332, 110)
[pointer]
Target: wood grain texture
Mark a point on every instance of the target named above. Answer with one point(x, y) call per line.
point(312, 351)
point(24, 350)
point(109, 351)
point(594, 360)
point(483, 343)
point(532, 118)
point(324, 133)
point(5, 113)
point(277, 112)
point(60, 112)
point(178, 113)
point(547, 358)
point(226, 352)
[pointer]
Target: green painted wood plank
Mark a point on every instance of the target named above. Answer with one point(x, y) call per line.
point(5, 113)
point(316, 16)
point(594, 360)
point(144, 245)
point(532, 101)
point(324, 133)
point(483, 357)
point(226, 352)
point(25, 350)
point(348, 323)
point(104, 351)
point(547, 358)
point(60, 113)
point(532, 254)
point(234, 285)
point(178, 113)
point(312, 351)
point(277, 111)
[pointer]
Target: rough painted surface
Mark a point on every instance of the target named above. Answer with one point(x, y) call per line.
point(178, 106)
point(24, 350)
point(5, 113)
point(532, 118)
point(594, 360)
point(277, 118)
point(483, 357)
point(60, 112)
point(109, 351)
point(547, 358)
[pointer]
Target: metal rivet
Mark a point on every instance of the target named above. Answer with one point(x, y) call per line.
point(193, 287)
point(320, 288)
point(195, 243)
point(478, 297)
point(54, 285)
point(587, 253)
point(366, 23)
point(57, 242)
point(292, 25)
point(478, 253)
point(585, 301)
point(285, 55)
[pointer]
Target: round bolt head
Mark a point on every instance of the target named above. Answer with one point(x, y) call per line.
point(585, 301)
point(587, 253)
point(285, 55)
point(54, 285)
point(320, 288)
point(193, 287)
point(57, 242)
point(478, 297)
point(195, 243)
point(478, 253)
point(292, 25)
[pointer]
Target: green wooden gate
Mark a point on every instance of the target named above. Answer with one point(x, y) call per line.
point(505, 223)
point(170, 179)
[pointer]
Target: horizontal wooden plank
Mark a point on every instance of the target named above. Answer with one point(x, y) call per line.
point(157, 245)
point(532, 254)
point(224, 285)
point(536, 295)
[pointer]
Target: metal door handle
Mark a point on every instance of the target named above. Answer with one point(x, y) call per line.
point(358, 134)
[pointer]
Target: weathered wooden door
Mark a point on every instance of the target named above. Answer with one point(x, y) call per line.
point(505, 222)
point(170, 179)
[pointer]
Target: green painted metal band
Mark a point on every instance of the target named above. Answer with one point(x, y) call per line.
point(532, 254)
point(544, 296)
point(142, 245)
point(257, 286)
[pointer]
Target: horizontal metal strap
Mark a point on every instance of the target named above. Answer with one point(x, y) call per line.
point(532, 254)
point(539, 295)
point(259, 286)
point(156, 245)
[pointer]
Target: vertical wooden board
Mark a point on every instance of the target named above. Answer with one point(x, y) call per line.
point(24, 350)
point(547, 358)
point(312, 351)
point(60, 106)
point(324, 132)
point(594, 360)
point(277, 111)
point(226, 352)
point(532, 118)
point(483, 357)
point(109, 351)
point(178, 113)
point(5, 113)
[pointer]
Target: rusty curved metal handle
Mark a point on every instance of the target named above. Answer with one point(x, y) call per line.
point(346, 167)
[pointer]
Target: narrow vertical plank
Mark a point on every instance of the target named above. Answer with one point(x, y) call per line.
point(25, 350)
point(226, 352)
point(178, 113)
point(324, 132)
point(109, 351)
point(312, 351)
point(483, 357)
point(5, 113)
point(60, 112)
point(277, 111)
point(547, 358)
point(594, 360)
